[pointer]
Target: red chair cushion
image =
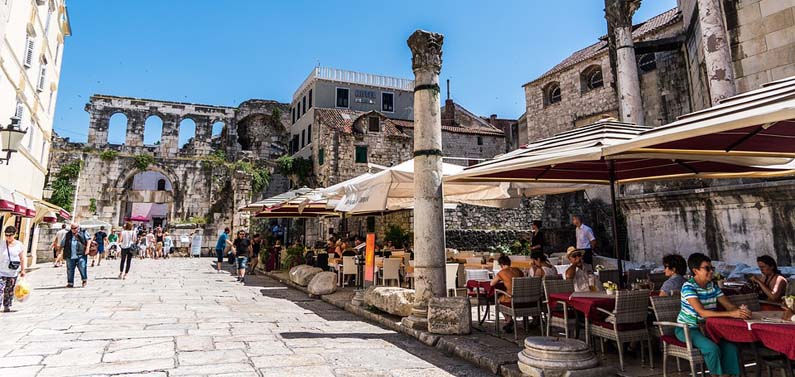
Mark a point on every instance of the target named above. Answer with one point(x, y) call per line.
point(623, 326)
point(670, 339)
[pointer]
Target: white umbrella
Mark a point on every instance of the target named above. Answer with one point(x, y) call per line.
point(94, 223)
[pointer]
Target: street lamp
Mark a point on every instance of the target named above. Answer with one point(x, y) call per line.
point(10, 138)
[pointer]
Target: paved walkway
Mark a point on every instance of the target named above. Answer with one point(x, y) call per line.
point(177, 317)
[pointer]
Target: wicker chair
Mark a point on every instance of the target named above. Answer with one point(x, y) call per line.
point(525, 302)
point(555, 316)
point(626, 323)
point(749, 299)
point(666, 309)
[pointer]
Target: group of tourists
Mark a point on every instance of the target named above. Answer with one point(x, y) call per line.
point(154, 243)
point(244, 251)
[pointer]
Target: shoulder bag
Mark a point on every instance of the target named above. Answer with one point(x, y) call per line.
point(11, 264)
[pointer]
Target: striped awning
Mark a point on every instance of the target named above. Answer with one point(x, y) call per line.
point(275, 201)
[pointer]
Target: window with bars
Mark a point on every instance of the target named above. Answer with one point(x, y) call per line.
point(361, 154)
point(387, 102)
point(30, 45)
point(342, 97)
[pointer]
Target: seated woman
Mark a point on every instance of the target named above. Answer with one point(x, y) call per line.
point(675, 269)
point(700, 299)
point(506, 274)
point(772, 284)
point(541, 265)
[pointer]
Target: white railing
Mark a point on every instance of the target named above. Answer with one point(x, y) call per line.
point(351, 77)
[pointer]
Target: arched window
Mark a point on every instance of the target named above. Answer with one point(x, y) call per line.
point(153, 130)
point(552, 93)
point(647, 62)
point(187, 131)
point(218, 128)
point(591, 78)
point(117, 129)
point(161, 185)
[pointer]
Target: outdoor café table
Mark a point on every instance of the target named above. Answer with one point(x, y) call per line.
point(475, 287)
point(776, 335)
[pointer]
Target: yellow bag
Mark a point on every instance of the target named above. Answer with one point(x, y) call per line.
point(22, 290)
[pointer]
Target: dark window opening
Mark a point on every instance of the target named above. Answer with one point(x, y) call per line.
point(292, 111)
point(303, 105)
point(552, 93)
point(161, 185)
point(592, 78)
point(294, 144)
point(647, 62)
point(387, 102)
point(361, 154)
point(298, 110)
point(244, 137)
point(373, 124)
point(303, 138)
point(342, 97)
point(310, 98)
point(480, 140)
point(321, 156)
point(309, 134)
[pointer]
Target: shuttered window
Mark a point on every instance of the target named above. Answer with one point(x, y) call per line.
point(42, 77)
point(321, 156)
point(29, 47)
point(361, 154)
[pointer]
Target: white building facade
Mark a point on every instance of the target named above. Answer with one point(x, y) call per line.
point(32, 35)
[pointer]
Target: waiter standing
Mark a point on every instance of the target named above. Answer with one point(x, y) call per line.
point(537, 242)
point(586, 241)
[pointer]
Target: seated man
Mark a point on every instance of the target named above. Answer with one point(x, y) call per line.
point(576, 270)
point(506, 275)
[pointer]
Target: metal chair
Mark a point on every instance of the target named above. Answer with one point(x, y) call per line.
point(525, 302)
point(626, 323)
point(666, 309)
point(555, 316)
point(391, 270)
point(477, 293)
point(451, 277)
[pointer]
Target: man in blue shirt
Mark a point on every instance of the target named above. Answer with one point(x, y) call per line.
point(74, 251)
point(220, 246)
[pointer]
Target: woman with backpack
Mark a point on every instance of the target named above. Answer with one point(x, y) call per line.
point(128, 246)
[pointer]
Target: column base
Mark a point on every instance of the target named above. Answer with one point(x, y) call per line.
point(358, 298)
point(418, 320)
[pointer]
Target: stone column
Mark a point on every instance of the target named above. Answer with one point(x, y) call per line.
point(717, 54)
point(429, 260)
point(619, 20)
point(169, 136)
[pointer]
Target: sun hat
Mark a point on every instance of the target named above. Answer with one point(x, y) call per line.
point(572, 251)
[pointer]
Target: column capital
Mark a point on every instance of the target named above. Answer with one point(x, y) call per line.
point(426, 51)
point(619, 12)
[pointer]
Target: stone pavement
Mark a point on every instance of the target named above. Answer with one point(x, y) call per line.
point(177, 317)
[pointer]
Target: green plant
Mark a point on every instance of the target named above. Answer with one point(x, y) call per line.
point(297, 168)
point(293, 257)
point(108, 155)
point(88, 149)
point(142, 161)
point(501, 249)
point(260, 175)
point(398, 236)
point(63, 188)
point(92, 206)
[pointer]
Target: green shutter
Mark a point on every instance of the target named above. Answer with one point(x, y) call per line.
point(361, 154)
point(321, 156)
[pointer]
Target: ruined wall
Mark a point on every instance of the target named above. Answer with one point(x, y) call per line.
point(734, 223)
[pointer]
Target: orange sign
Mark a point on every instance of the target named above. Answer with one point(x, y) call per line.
point(369, 260)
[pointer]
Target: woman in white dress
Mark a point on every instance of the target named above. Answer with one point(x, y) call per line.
point(196, 243)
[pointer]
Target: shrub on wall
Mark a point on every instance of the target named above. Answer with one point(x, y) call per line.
point(142, 161)
point(108, 155)
point(63, 188)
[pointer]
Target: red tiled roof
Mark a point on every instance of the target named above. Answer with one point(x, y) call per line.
point(343, 120)
point(639, 31)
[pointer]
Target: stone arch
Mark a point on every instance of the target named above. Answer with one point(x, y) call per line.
point(188, 130)
point(552, 93)
point(591, 78)
point(153, 129)
point(217, 128)
point(123, 183)
point(117, 127)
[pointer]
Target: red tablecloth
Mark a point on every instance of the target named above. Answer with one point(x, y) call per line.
point(777, 337)
point(484, 286)
point(585, 305)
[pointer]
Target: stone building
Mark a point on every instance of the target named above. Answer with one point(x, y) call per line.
point(181, 181)
point(682, 67)
point(32, 37)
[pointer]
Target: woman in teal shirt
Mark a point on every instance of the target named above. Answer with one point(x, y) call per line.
point(700, 299)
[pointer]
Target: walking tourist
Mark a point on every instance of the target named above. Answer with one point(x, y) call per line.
point(196, 243)
point(159, 242)
point(168, 243)
point(506, 275)
point(577, 270)
point(537, 242)
point(75, 247)
point(142, 246)
point(113, 244)
point(101, 239)
point(541, 266)
point(150, 244)
point(675, 267)
point(127, 243)
point(256, 246)
point(243, 252)
point(12, 265)
point(586, 241)
point(772, 285)
point(700, 299)
point(56, 245)
point(220, 246)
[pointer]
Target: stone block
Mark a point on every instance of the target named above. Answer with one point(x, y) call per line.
point(779, 20)
point(768, 7)
point(449, 315)
point(323, 283)
point(303, 274)
point(393, 300)
point(781, 38)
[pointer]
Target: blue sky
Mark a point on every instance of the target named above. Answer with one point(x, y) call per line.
point(224, 52)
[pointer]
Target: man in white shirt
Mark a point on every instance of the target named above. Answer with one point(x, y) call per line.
point(56, 245)
point(586, 241)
